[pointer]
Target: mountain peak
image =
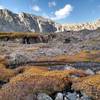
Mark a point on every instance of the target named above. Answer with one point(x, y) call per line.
point(25, 22)
point(81, 26)
point(6, 11)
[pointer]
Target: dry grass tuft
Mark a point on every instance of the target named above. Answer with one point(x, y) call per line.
point(37, 79)
point(90, 85)
point(18, 34)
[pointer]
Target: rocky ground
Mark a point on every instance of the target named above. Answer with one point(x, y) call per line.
point(55, 66)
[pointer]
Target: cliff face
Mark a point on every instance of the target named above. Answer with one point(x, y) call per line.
point(23, 22)
point(77, 27)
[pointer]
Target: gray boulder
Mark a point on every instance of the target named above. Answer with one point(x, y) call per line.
point(18, 58)
point(90, 72)
point(43, 96)
point(67, 67)
point(72, 96)
point(60, 96)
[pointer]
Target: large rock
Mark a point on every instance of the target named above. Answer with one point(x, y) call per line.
point(60, 96)
point(43, 96)
point(72, 96)
point(89, 71)
point(20, 58)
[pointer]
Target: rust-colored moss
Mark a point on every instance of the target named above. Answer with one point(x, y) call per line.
point(32, 84)
point(5, 74)
point(43, 71)
point(30, 69)
point(18, 34)
point(85, 56)
point(37, 79)
point(90, 85)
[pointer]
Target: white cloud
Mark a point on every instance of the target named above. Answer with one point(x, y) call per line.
point(2, 7)
point(36, 8)
point(52, 4)
point(63, 12)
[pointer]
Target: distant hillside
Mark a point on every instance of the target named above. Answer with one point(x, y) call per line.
point(82, 26)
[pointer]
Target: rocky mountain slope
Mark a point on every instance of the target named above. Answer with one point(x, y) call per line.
point(23, 22)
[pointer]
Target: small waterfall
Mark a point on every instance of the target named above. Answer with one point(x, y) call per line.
point(39, 25)
point(57, 29)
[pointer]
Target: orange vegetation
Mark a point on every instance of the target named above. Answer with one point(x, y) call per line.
point(90, 85)
point(32, 69)
point(3, 60)
point(43, 71)
point(18, 34)
point(36, 79)
point(85, 56)
point(5, 74)
point(31, 85)
point(31, 80)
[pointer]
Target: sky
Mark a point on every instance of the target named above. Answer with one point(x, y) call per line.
point(61, 11)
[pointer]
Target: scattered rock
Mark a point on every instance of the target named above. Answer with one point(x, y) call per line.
point(90, 72)
point(98, 72)
point(59, 96)
point(85, 97)
point(72, 96)
point(67, 67)
point(43, 96)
